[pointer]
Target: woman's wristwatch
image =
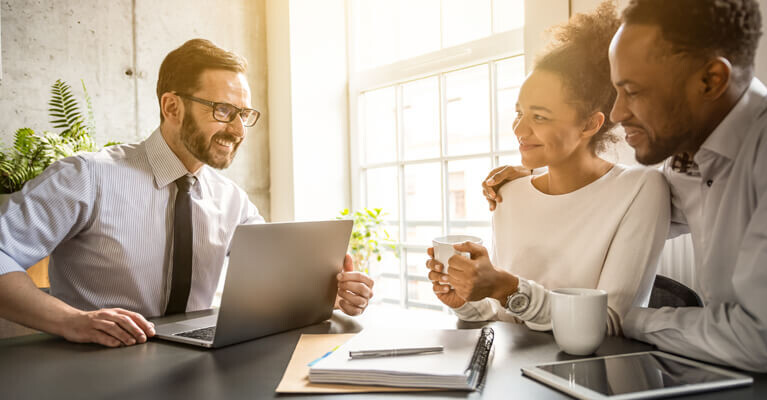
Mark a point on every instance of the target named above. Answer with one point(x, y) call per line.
point(518, 302)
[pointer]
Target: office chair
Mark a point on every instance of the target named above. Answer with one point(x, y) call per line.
point(667, 292)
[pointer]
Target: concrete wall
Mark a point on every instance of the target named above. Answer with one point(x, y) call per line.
point(116, 47)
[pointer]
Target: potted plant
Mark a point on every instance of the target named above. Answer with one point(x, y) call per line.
point(368, 238)
point(31, 153)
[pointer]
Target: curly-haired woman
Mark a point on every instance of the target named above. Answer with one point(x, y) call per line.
point(586, 222)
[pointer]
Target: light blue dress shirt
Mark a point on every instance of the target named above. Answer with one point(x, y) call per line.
point(106, 220)
point(724, 206)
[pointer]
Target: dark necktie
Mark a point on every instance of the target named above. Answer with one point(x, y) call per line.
point(181, 280)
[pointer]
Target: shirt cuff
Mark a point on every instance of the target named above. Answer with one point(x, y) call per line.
point(8, 264)
point(467, 312)
point(634, 323)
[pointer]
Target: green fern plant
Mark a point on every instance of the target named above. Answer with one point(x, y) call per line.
point(31, 152)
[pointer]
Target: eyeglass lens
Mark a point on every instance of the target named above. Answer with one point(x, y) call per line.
point(227, 113)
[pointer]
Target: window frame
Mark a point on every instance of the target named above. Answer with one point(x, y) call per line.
point(484, 51)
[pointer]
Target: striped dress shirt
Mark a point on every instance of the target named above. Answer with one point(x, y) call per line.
point(106, 220)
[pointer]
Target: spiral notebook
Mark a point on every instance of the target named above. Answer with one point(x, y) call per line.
point(461, 366)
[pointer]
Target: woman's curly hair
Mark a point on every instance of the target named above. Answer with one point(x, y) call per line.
point(578, 54)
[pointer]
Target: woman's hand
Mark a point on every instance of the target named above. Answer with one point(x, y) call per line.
point(444, 292)
point(476, 278)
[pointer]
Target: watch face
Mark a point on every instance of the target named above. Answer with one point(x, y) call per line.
point(519, 303)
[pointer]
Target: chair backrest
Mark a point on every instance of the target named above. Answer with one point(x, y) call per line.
point(667, 292)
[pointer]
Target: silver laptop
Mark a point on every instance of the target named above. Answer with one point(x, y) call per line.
point(281, 276)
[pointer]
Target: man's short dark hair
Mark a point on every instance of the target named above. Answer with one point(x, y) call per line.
point(704, 28)
point(180, 71)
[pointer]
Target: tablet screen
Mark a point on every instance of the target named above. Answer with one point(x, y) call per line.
point(631, 373)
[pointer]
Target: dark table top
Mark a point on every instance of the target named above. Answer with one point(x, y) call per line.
point(46, 367)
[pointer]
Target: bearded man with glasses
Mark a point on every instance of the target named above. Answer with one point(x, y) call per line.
point(142, 229)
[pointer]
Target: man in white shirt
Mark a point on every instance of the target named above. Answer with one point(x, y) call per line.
point(684, 73)
point(141, 229)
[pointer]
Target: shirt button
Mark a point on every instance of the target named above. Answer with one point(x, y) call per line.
point(709, 182)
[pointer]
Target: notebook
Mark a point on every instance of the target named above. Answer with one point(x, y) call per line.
point(460, 366)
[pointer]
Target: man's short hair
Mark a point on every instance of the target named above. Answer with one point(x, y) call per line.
point(181, 69)
point(704, 28)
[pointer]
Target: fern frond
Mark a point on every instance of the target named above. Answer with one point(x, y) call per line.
point(64, 111)
point(90, 122)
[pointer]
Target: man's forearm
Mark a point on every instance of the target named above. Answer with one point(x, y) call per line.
point(724, 334)
point(22, 302)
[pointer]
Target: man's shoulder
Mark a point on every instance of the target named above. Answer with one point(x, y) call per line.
point(115, 153)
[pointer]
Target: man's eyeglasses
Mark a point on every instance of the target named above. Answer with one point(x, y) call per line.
point(225, 112)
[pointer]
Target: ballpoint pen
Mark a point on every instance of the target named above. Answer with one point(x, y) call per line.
point(409, 351)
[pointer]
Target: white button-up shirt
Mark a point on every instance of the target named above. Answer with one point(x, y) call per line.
point(106, 219)
point(725, 209)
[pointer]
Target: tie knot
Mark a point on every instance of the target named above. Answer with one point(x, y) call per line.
point(185, 183)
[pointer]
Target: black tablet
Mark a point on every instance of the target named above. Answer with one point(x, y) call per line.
point(643, 375)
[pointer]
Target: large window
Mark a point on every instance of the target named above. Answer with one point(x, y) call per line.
point(433, 87)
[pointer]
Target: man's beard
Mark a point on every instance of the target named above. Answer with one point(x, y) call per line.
point(196, 143)
point(671, 138)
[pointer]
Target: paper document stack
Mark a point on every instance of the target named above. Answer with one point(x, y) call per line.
point(460, 366)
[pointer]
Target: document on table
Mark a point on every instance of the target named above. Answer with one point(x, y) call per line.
point(309, 349)
point(461, 366)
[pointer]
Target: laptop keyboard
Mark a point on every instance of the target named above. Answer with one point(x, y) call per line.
point(202, 334)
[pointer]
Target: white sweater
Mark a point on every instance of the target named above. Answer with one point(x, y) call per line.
point(606, 235)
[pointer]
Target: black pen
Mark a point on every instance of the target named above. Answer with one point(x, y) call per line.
point(394, 352)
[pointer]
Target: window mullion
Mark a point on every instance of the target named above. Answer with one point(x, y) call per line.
point(443, 151)
point(494, 141)
point(402, 193)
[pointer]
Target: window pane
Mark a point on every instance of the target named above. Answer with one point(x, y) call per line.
point(468, 111)
point(380, 126)
point(421, 292)
point(423, 202)
point(420, 114)
point(387, 288)
point(392, 30)
point(382, 189)
point(508, 15)
point(389, 264)
point(376, 22)
point(514, 159)
point(464, 21)
point(418, 27)
point(416, 263)
point(464, 184)
point(510, 74)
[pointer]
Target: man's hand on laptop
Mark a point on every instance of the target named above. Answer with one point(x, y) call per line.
point(354, 289)
point(499, 177)
point(112, 327)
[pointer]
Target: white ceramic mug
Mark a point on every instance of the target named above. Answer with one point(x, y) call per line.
point(443, 247)
point(579, 319)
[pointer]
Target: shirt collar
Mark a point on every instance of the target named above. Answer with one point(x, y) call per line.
point(166, 167)
point(728, 136)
